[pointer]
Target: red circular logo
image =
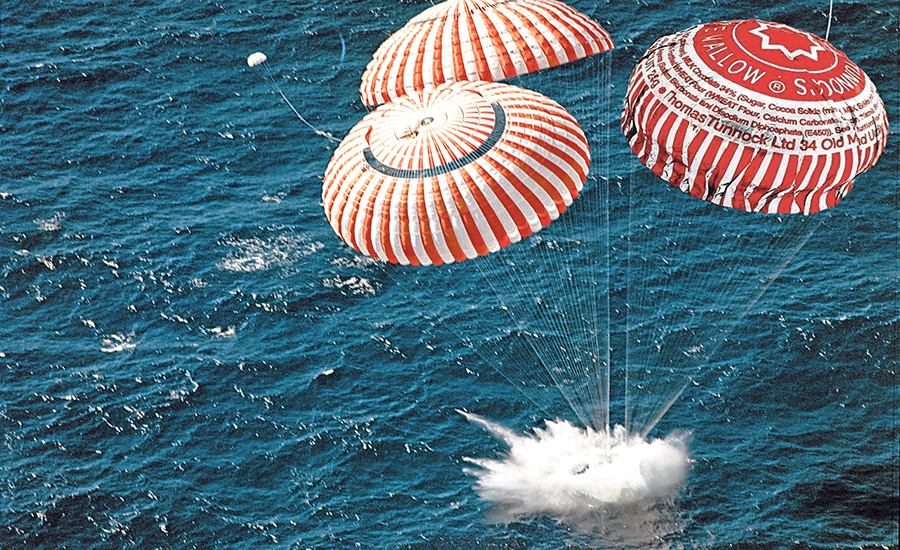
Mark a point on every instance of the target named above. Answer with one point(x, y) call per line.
point(777, 61)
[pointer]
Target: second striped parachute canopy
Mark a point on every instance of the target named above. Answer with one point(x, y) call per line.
point(454, 172)
point(479, 40)
point(754, 115)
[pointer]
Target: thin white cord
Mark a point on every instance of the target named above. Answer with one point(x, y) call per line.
point(326, 135)
point(830, 9)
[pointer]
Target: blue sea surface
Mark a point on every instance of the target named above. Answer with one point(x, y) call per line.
point(191, 358)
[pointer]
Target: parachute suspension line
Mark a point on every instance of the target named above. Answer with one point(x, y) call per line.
point(460, 333)
point(664, 409)
point(554, 303)
point(830, 11)
point(531, 313)
point(629, 330)
point(632, 294)
point(525, 283)
point(572, 285)
point(254, 61)
point(606, 287)
point(712, 266)
point(570, 281)
point(770, 277)
point(773, 275)
point(577, 288)
point(598, 289)
point(548, 307)
point(666, 295)
point(600, 274)
point(656, 245)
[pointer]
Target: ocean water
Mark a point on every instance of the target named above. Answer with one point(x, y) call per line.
point(192, 359)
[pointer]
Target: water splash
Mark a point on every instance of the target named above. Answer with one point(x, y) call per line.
point(570, 472)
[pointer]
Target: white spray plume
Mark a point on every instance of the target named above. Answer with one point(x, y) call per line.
point(568, 472)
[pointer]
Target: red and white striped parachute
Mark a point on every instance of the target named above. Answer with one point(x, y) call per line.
point(479, 40)
point(754, 115)
point(454, 172)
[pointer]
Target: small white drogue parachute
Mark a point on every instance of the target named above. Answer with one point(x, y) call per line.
point(255, 59)
point(258, 58)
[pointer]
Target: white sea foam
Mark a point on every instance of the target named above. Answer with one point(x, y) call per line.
point(259, 253)
point(219, 332)
point(115, 343)
point(570, 472)
point(51, 224)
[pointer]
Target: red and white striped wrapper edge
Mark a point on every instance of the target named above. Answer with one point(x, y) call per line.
point(479, 40)
point(754, 115)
